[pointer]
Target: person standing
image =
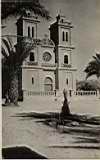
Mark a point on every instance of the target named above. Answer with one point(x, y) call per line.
point(65, 111)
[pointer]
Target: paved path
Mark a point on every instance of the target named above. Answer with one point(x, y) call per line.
point(19, 131)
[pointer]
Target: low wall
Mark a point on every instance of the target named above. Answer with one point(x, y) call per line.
point(40, 93)
point(86, 93)
point(55, 93)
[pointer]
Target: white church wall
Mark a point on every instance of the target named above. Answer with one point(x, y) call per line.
point(66, 80)
point(62, 52)
point(38, 74)
point(30, 79)
point(41, 51)
point(39, 77)
point(65, 30)
point(27, 60)
point(26, 24)
point(43, 75)
point(74, 80)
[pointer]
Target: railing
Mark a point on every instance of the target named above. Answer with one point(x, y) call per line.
point(54, 93)
point(40, 93)
point(85, 93)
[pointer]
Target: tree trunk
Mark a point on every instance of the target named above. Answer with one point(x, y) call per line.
point(13, 90)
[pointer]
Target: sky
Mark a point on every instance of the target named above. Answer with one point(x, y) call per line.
point(85, 16)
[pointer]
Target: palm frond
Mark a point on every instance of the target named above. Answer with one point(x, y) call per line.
point(97, 59)
point(16, 7)
point(10, 42)
point(93, 67)
point(4, 52)
point(26, 47)
point(92, 72)
point(9, 51)
point(17, 56)
point(6, 45)
point(98, 55)
point(90, 66)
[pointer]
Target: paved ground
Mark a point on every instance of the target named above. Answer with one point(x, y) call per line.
point(19, 131)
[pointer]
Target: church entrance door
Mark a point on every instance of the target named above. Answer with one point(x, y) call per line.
point(48, 84)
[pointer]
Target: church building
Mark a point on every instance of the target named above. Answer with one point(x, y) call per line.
point(49, 66)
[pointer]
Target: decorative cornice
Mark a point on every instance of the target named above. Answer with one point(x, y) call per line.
point(48, 65)
point(47, 46)
point(69, 69)
point(67, 65)
point(48, 68)
point(61, 46)
point(29, 19)
point(38, 67)
point(65, 26)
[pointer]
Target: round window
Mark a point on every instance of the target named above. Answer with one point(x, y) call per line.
point(47, 56)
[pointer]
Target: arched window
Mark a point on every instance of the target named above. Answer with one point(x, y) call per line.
point(32, 31)
point(67, 36)
point(32, 58)
point(32, 80)
point(28, 31)
point(66, 59)
point(48, 84)
point(63, 36)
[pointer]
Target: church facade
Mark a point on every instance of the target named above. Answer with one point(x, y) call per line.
point(49, 66)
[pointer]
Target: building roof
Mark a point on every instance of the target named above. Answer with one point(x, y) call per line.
point(61, 21)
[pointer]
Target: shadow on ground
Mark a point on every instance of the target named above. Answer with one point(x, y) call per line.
point(20, 152)
point(84, 128)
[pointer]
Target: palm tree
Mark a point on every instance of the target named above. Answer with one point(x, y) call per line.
point(19, 6)
point(13, 56)
point(11, 64)
point(93, 67)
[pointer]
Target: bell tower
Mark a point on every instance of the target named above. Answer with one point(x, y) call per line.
point(27, 25)
point(60, 33)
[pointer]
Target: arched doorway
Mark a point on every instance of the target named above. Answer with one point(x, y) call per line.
point(48, 84)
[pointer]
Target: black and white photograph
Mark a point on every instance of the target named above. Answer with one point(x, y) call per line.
point(50, 79)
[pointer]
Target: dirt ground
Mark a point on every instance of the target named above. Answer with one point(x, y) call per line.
point(41, 138)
